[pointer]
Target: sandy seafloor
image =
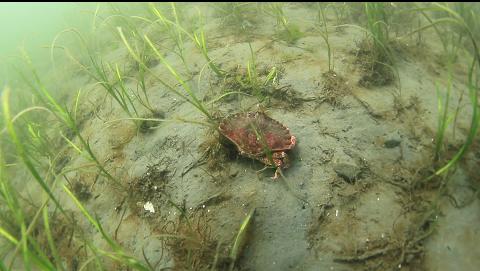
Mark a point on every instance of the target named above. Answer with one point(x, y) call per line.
point(374, 222)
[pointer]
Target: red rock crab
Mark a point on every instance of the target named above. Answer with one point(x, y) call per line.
point(256, 135)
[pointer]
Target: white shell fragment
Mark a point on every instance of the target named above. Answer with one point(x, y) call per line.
point(149, 207)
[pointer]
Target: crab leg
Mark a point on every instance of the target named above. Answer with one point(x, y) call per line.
point(263, 169)
point(278, 172)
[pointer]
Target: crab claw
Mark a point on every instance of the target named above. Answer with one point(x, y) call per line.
point(278, 172)
point(293, 141)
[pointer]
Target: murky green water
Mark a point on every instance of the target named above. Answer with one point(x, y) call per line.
point(145, 136)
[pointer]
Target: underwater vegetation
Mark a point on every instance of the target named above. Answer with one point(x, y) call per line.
point(145, 145)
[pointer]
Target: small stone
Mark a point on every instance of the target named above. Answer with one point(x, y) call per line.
point(234, 174)
point(146, 125)
point(392, 143)
point(348, 172)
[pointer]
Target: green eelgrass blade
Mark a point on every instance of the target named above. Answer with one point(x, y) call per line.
point(123, 94)
point(475, 122)
point(26, 243)
point(174, 32)
point(99, 71)
point(41, 91)
point(8, 236)
point(472, 83)
point(376, 21)
point(325, 35)
point(8, 194)
point(198, 39)
point(21, 113)
point(41, 262)
point(202, 45)
point(252, 75)
point(25, 250)
point(38, 256)
point(263, 141)
point(68, 118)
point(87, 262)
point(433, 24)
point(227, 94)
point(272, 77)
point(92, 221)
point(175, 119)
point(65, 116)
point(443, 118)
point(122, 257)
point(51, 243)
point(32, 253)
point(383, 47)
point(21, 150)
point(12, 204)
point(194, 100)
point(241, 238)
